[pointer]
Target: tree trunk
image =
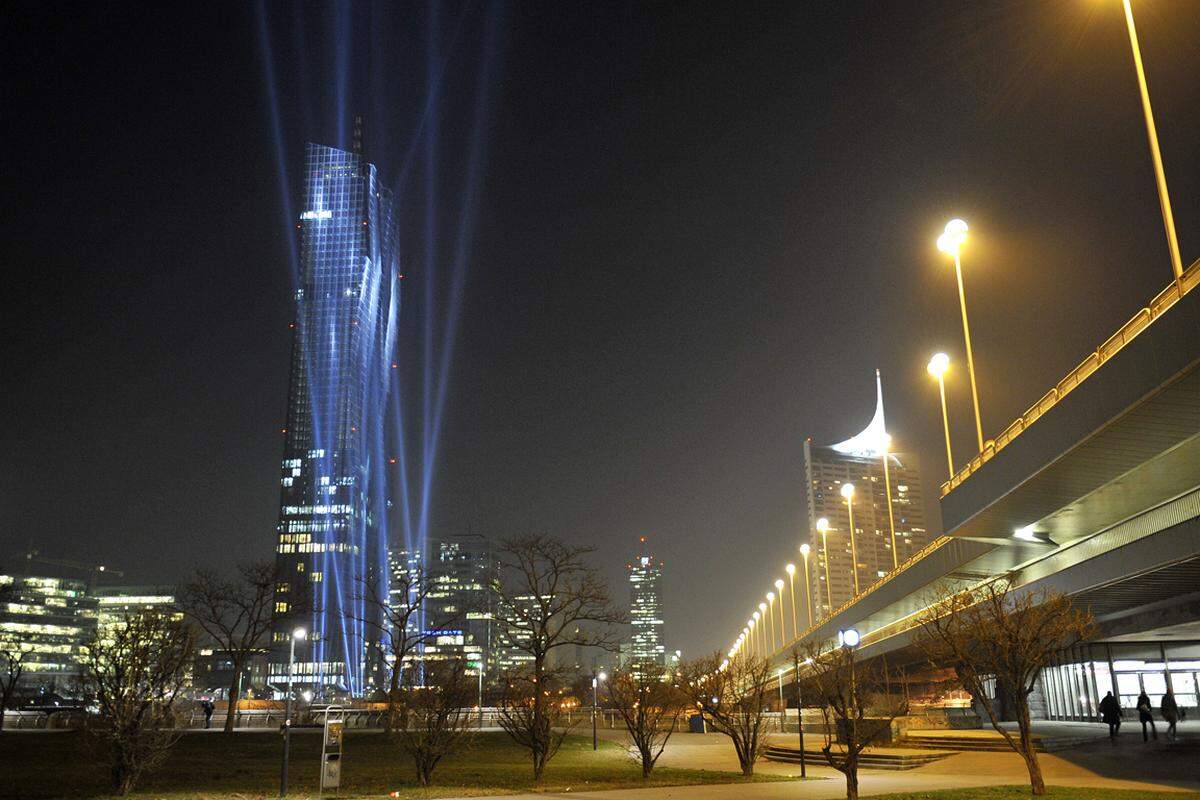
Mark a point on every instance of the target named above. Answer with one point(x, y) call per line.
point(3, 708)
point(235, 689)
point(393, 699)
point(1036, 785)
point(851, 779)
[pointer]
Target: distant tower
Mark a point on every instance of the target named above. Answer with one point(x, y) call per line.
point(331, 544)
point(859, 460)
point(645, 608)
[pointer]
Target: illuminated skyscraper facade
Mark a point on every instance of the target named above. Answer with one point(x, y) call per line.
point(645, 609)
point(859, 461)
point(331, 536)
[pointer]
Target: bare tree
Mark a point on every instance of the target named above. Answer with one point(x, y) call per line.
point(393, 614)
point(733, 695)
point(858, 700)
point(650, 706)
point(236, 613)
point(437, 716)
point(548, 598)
point(12, 666)
point(995, 636)
point(134, 671)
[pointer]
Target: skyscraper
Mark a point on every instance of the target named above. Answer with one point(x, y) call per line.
point(332, 523)
point(859, 461)
point(645, 608)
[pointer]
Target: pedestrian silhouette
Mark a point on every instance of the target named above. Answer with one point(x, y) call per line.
point(1145, 715)
point(1170, 713)
point(1110, 712)
point(208, 707)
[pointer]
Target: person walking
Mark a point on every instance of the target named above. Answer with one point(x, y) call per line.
point(1145, 715)
point(1170, 713)
point(208, 707)
point(1110, 712)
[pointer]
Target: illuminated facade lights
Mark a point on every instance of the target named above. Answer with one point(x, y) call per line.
point(645, 609)
point(332, 520)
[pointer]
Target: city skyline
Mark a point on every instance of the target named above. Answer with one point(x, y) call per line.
point(672, 279)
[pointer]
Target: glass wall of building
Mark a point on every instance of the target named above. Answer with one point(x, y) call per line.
point(1073, 686)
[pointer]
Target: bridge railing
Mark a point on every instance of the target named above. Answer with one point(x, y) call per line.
point(1111, 346)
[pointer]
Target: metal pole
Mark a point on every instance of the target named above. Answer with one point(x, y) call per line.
point(792, 592)
point(481, 694)
point(595, 706)
point(800, 718)
point(807, 593)
point(828, 586)
point(853, 546)
point(962, 302)
point(946, 425)
point(887, 487)
point(1164, 201)
point(287, 718)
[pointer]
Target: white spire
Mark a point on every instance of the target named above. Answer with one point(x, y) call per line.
point(873, 440)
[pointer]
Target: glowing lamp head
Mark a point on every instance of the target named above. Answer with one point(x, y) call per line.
point(770, 597)
point(822, 525)
point(951, 240)
point(603, 676)
point(779, 585)
point(754, 618)
point(938, 365)
point(790, 569)
point(762, 607)
point(805, 550)
point(847, 490)
point(299, 633)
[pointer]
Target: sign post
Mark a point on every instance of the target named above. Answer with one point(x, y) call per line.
point(331, 749)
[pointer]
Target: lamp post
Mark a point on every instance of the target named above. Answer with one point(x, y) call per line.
point(800, 714)
point(782, 616)
point(950, 242)
point(599, 676)
point(937, 368)
point(756, 632)
point(770, 618)
point(848, 493)
point(298, 633)
point(790, 569)
point(887, 487)
point(804, 551)
point(1164, 201)
point(782, 707)
point(823, 529)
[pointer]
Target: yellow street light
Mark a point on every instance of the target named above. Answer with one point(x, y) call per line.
point(782, 623)
point(790, 569)
point(755, 634)
point(1164, 201)
point(804, 551)
point(937, 368)
point(848, 493)
point(770, 618)
point(950, 242)
point(887, 487)
point(823, 529)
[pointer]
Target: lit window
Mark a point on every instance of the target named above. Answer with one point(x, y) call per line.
point(315, 577)
point(282, 588)
point(281, 608)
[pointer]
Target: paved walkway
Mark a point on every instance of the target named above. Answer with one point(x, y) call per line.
point(1127, 765)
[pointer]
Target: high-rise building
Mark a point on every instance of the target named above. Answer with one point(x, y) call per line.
point(115, 604)
point(50, 619)
point(860, 461)
point(457, 622)
point(645, 608)
point(331, 536)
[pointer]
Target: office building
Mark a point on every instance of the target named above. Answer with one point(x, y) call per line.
point(49, 618)
point(860, 461)
point(645, 608)
point(331, 536)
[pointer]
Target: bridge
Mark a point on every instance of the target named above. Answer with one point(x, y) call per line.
point(1095, 492)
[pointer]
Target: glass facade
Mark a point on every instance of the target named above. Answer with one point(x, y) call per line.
point(645, 609)
point(49, 619)
point(1073, 687)
point(331, 536)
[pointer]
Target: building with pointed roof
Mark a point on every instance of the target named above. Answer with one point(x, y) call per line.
point(859, 460)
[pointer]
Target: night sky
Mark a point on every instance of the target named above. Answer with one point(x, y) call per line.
point(694, 233)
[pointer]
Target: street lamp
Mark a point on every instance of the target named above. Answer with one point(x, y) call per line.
point(887, 487)
point(756, 632)
point(770, 618)
point(599, 676)
point(848, 493)
point(950, 242)
point(937, 368)
point(790, 569)
point(771, 605)
point(782, 623)
point(804, 551)
point(298, 633)
point(823, 529)
point(1164, 201)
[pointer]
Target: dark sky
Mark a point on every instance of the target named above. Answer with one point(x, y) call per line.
point(697, 232)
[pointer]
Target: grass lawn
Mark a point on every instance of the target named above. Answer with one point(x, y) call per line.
point(213, 765)
point(1022, 793)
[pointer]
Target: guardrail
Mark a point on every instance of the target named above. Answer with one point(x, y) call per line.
point(1111, 346)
